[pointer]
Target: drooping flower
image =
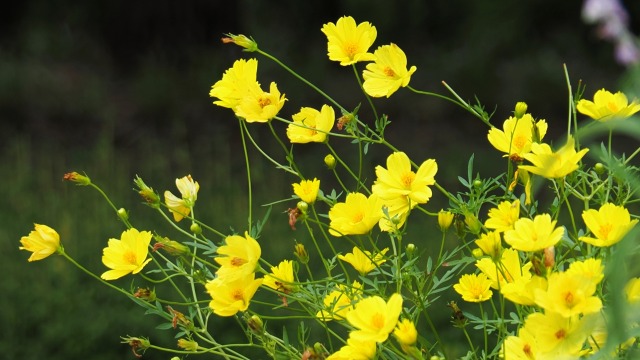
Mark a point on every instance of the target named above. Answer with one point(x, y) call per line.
point(228, 296)
point(553, 165)
point(517, 135)
point(307, 190)
point(236, 83)
point(503, 217)
point(126, 255)
point(339, 302)
point(42, 242)
point(474, 287)
point(490, 243)
point(569, 295)
point(357, 215)
point(239, 256)
point(607, 106)
point(609, 224)
point(311, 125)
point(534, 235)
point(260, 106)
point(181, 207)
point(374, 319)
point(364, 261)
point(355, 350)
point(349, 43)
point(281, 277)
point(388, 73)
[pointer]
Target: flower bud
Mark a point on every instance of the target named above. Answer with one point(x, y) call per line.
point(196, 228)
point(255, 324)
point(248, 44)
point(301, 253)
point(77, 178)
point(188, 345)
point(445, 218)
point(599, 168)
point(473, 224)
point(411, 248)
point(170, 246)
point(330, 161)
point(520, 110)
point(549, 257)
point(148, 194)
point(136, 344)
point(123, 214)
point(302, 206)
point(477, 253)
point(477, 183)
point(145, 294)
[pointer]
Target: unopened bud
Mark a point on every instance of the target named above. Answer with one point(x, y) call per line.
point(330, 161)
point(196, 228)
point(123, 214)
point(188, 345)
point(148, 194)
point(473, 224)
point(301, 253)
point(255, 324)
point(549, 257)
point(520, 110)
point(411, 248)
point(445, 218)
point(477, 253)
point(302, 206)
point(599, 168)
point(170, 246)
point(477, 183)
point(77, 178)
point(247, 43)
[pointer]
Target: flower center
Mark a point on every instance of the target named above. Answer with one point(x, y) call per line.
point(407, 179)
point(613, 107)
point(378, 321)
point(519, 141)
point(350, 50)
point(357, 217)
point(130, 258)
point(237, 294)
point(604, 231)
point(264, 101)
point(568, 299)
point(389, 72)
point(236, 261)
point(560, 334)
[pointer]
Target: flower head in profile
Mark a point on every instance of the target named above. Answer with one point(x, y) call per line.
point(364, 261)
point(42, 242)
point(349, 43)
point(474, 287)
point(307, 190)
point(608, 106)
point(553, 165)
point(181, 206)
point(534, 235)
point(228, 296)
point(128, 255)
point(399, 181)
point(236, 83)
point(311, 125)
point(355, 350)
point(357, 215)
point(406, 333)
point(374, 319)
point(388, 73)
point(503, 217)
point(340, 301)
point(281, 277)
point(490, 243)
point(517, 135)
point(608, 225)
point(238, 257)
point(260, 106)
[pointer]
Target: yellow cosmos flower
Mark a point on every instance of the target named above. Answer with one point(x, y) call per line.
point(236, 83)
point(311, 125)
point(609, 224)
point(42, 242)
point(127, 255)
point(568, 294)
point(349, 43)
point(406, 333)
point(355, 216)
point(399, 181)
point(522, 290)
point(534, 235)
point(339, 302)
point(517, 136)
point(559, 337)
point(364, 261)
point(504, 216)
point(607, 106)
point(355, 350)
point(307, 190)
point(281, 277)
point(553, 165)
point(374, 319)
point(590, 270)
point(240, 256)
point(445, 219)
point(388, 73)
point(261, 106)
point(521, 347)
point(181, 207)
point(632, 290)
point(504, 271)
point(490, 244)
point(474, 287)
point(228, 296)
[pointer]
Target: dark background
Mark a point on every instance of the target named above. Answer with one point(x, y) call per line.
point(121, 88)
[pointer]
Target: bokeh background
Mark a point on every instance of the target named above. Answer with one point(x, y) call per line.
point(116, 89)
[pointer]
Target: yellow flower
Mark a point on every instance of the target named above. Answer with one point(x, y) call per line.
point(490, 244)
point(504, 216)
point(127, 255)
point(388, 73)
point(504, 271)
point(374, 319)
point(632, 290)
point(406, 333)
point(236, 83)
point(42, 242)
point(355, 350)
point(339, 302)
point(181, 207)
point(260, 106)
point(474, 288)
point(281, 277)
point(521, 347)
point(609, 224)
point(590, 269)
point(398, 181)
point(228, 296)
point(445, 218)
point(349, 43)
point(553, 165)
point(355, 216)
point(534, 235)
point(311, 125)
point(307, 190)
point(522, 289)
point(607, 106)
point(240, 256)
point(364, 261)
point(517, 136)
point(558, 337)
point(569, 295)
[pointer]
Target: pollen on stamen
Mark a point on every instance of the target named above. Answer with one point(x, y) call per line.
point(264, 102)
point(236, 261)
point(389, 72)
point(130, 257)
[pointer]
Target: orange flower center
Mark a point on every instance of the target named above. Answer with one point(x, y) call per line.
point(519, 141)
point(350, 50)
point(264, 102)
point(378, 321)
point(357, 217)
point(389, 72)
point(237, 294)
point(613, 107)
point(130, 258)
point(604, 231)
point(407, 179)
point(236, 261)
point(568, 299)
point(560, 334)
point(527, 350)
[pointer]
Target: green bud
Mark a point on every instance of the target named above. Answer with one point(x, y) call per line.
point(77, 178)
point(477, 183)
point(123, 214)
point(301, 253)
point(330, 161)
point(302, 206)
point(472, 222)
point(477, 253)
point(411, 248)
point(599, 168)
point(248, 44)
point(255, 324)
point(195, 228)
point(520, 110)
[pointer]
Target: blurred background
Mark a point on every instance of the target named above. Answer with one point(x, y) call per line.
point(116, 89)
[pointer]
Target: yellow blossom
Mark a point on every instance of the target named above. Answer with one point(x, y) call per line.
point(607, 106)
point(590, 270)
point(339, 302)
point(260, 106)
point(355, 350)
point(355, 216)
point(311, 125)
point(281, 277)
point(307, 190)
point(181, 207)
point(558, 337)
point(490, 244)
point(632, 290)
point(374, 319)
point(232, 295)
point(239, 256)
point(517, 136)
point(553, 165)
point(399, 181)
point(42, 242)
point(445, 218)
point(388, 73)
point(609, 224)
point(503, 217)
point(364, 261)
point(474, 287)
point(568, 294)
point(522, 289)
point(506, 270)
point(127, 255)
point(534, 235)
point(236, 83)
point(406, 333)
point(521, 347)
point(349, 43)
